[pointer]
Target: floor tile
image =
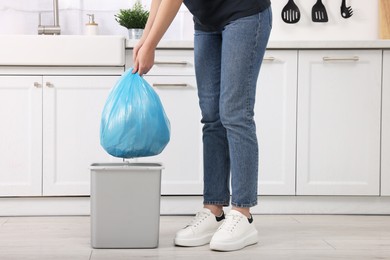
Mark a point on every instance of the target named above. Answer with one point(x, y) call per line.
point(281, 237)
point(363, 244)
point(34, 255)
point(2, 220)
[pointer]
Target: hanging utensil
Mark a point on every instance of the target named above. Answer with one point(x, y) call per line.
point(346, 12)
point(318, 13)
point(291, 13)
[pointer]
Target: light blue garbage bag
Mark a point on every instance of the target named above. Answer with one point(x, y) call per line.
point(134, 123)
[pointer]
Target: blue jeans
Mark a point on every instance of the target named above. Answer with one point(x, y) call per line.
point(227, 65)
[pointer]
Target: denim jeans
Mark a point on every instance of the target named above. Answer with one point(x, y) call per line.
point(227, 65)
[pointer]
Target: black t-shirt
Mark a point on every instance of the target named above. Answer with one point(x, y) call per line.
point(213, 15)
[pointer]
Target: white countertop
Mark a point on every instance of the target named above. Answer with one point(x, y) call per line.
point(109, 50)
point(373, 44)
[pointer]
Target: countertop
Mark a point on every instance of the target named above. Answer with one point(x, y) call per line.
point(109, 50)
point(372, 44)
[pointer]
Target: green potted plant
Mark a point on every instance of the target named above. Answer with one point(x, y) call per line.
point(133, 19)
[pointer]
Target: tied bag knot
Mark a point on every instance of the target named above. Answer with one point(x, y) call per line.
point(133, 123)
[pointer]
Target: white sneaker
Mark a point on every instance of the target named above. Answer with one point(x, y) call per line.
point(199, 231)
point(235, 233)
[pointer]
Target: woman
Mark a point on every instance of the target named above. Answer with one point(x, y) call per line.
point(229, 44)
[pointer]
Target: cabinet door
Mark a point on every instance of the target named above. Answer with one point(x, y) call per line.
point(385, 169)
point(275, 115)
point(72, 107)
point(20, 136)
point(182, 158)
point(339, 107)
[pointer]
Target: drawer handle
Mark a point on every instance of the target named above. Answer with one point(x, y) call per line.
point(37, 85)
point(49, 85)
point(182, 63)
point(353, 58)
point(269, 58)
point(159, 85)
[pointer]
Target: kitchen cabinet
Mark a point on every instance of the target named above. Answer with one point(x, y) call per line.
point(72, 107)
point(20, 136)
point(173, 78)
point(322, 115)
point(275, 115)
point(52, 135)
point(182, 158)
point(385, 161)
point(338, 123)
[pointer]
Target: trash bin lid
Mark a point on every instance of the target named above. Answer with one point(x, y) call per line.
point(127, 166)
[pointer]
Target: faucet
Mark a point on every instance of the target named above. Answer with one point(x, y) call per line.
point(51, 29)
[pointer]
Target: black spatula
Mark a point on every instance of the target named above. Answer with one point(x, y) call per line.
point(291, 13)
point(318, 13)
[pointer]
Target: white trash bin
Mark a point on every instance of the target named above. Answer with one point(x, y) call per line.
point(125, 205)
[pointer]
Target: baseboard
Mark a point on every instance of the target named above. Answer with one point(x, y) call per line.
point(186, 205)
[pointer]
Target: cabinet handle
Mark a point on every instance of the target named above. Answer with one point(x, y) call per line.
point(158, 85)
point(49, 85)
point(183, 63)
point(37, 85)
point(353, 58)
point(269, 58)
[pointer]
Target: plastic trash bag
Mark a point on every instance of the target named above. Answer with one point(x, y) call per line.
point(133, 123)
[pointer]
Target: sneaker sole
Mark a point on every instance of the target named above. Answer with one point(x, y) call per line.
point(248, 240)
point(200, 241)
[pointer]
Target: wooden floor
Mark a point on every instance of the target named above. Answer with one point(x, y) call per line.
point(292, 237)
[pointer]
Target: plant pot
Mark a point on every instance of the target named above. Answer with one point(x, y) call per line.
point(135, 34)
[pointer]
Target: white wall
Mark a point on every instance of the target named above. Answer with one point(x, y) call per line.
point(21, 17)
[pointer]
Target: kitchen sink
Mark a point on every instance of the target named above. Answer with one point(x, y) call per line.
point(62, 50)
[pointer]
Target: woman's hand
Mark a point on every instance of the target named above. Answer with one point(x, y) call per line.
point(161, 15)
point(144, 59)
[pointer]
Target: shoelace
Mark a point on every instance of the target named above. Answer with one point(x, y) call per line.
point(199, 218)
point(230, 222)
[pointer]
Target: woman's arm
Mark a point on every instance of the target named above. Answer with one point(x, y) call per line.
point(162, 14)
point(152, 15)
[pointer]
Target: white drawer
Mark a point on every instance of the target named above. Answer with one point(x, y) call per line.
point(169, 62)
point(173, 62)
point(168, 82)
